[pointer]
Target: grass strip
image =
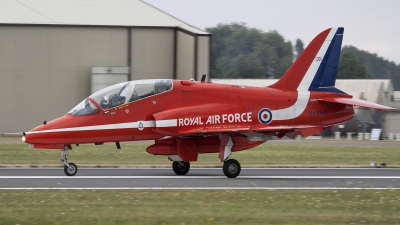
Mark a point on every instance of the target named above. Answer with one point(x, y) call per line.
point(135, 155)
point(199, 207)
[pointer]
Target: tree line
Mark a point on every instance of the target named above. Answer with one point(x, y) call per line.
point(242, 52)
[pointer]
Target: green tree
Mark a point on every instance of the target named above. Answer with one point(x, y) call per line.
point(299, 47)
point(379, 67)
point(242, 52)
point(350, 67)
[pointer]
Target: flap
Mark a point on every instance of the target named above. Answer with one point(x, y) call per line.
point(306, 130)
point(216, 129)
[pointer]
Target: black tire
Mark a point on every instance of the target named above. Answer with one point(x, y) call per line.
point(71, 172)
point(181, 168)
point(231, 168)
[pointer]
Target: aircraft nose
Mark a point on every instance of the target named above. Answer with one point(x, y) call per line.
point(30, 137)
point(23, 137)
point(42, 137)
point(36, 135)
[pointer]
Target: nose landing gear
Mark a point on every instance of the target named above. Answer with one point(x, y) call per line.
point(70, 169)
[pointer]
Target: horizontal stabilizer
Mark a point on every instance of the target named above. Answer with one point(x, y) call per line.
point(357, 102)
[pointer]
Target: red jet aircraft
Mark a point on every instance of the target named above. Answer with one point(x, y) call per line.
point(186, 118)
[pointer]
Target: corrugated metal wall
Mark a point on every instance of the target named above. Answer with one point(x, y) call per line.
point(152, 53)
point(203, 56)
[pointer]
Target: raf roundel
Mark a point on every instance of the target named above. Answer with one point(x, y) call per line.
point(140, 127)
point(265, 115)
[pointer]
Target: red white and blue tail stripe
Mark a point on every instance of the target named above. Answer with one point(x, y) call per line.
point(316, 68)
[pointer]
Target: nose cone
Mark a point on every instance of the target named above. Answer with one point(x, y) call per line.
point(48, 132)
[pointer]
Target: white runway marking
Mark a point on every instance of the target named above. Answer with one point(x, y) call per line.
point(199, 177)
point(216, 168)
point(205, 188)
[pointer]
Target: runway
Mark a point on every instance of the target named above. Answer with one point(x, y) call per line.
point(210, 178)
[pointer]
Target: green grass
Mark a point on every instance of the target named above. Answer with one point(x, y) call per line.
point(135, 155)
point(200, 207)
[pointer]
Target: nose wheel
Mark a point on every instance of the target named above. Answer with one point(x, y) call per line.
point(70, 169)
point(231, 168)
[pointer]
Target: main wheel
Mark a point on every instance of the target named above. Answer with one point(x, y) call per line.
point(72, 171)
point(231, 168)
point(181, 168)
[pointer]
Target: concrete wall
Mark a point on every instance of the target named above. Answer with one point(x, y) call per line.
point(46, 70)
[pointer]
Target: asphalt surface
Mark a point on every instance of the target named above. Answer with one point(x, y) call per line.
point(213, 178)
point(255, 178)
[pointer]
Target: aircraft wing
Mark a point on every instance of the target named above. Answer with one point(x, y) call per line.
point(305, 130)
point(215, 129)
point(357, 102)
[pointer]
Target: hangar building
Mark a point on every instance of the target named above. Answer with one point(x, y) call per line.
point(53, 54)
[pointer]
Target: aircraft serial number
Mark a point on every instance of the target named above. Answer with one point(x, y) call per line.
point(317, 112)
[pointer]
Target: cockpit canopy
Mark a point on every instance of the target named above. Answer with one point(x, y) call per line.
point(120, 94)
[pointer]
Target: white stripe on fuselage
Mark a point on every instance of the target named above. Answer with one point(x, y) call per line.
point(303, 95)
point(117, 126)
point(295, 110)
point(167, 123)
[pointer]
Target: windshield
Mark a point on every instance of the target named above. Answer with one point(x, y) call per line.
point(86, 107)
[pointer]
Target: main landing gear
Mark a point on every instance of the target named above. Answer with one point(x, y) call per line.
point(180, 167)
point(231, 168)
point(70, 169)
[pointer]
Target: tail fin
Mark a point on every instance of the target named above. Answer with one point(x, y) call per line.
point(316, 68)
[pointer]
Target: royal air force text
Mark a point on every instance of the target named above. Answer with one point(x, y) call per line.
point(216, 119)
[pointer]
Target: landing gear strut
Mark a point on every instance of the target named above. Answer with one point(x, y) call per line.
point(181, 168)
point(231, 168)
point(70, 169)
